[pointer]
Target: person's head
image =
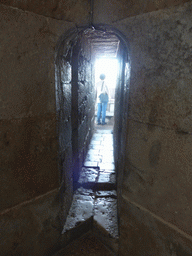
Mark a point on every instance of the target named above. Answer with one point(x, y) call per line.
point(102, 76)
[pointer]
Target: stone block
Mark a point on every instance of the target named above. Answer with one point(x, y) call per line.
point(112, 194)
point(106, 178)
point(90, 164)
point(160, 79)
point(93, 158)
point(78, 12)
point(158, 174)
point(144, 233)
point(87, 244)
point(123, 9)
point(96, 146)
point(108, 158)
point(29, 159)
point(81, 210)
point(88, 175)
point(31, 228)
point(106, 166)
point(105, 216)
point(65, 72)
point(28, 62)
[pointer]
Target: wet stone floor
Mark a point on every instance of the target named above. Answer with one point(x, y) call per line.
point(95, 198)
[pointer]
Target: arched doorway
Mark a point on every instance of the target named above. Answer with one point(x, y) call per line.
point(75, 97)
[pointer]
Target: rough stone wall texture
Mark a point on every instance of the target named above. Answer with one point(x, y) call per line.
point(121, 116)
point(32, 228)
point(82, 102)
point(158, 172)
point(29, 199)
point(28, 120)
point(86, 99)
point(104, 11)
point(109, 11)
point(68, 10)
point(143, 233)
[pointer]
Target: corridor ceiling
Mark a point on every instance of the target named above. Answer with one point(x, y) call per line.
point(103, 43)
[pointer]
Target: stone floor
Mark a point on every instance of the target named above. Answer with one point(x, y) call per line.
point(95, 201)
point(87, 245)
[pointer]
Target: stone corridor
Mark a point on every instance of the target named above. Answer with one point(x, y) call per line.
point(94, 206)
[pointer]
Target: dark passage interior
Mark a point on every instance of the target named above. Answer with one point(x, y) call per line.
point(47, 127)
point(93, 167)
point(75, 59)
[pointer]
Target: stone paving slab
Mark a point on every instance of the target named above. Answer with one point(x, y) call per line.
point(103, 132)
point(106, 146)
point(107, 153)
point(107, 178)
point(82, 191)
point(106, 166)
point(98, 139)
point(98, 204)
point(96, 142)
point(88, 175)
point(105, 215)
point(112, 193)
point(93, 158)
point(86, 245)
point(107, 159)
point(96, 146)
point(107, 156)
point(80, 211)
point(107, 171)
point(108, 139)
point(91, 164)
point(93, 152)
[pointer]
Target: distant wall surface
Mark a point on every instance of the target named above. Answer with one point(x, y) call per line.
point(156, 209)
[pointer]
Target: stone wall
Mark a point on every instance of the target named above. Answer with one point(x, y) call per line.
point(156, 210)
point(104, 11)
point(156, 205)
point(38, 128)
point(30, 202)
point(86, 99)
point(77, 11)
point(75, 100)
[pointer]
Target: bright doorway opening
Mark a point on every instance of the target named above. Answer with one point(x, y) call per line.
point(109, 67)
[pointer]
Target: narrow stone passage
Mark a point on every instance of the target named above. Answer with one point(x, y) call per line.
point(94, 203)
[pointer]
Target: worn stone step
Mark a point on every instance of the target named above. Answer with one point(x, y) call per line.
point(96, 186)
point(105, 216)
point(106, 194)
point(81, 209)
point(93, 178)
point(105, 222)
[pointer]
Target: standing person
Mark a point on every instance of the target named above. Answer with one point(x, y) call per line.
point(102, 99)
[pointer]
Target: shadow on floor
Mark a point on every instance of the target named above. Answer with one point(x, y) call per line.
point(84, 246)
